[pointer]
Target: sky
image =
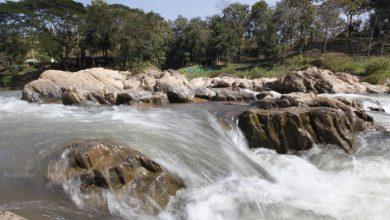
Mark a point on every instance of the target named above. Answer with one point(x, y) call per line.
point(170, 9)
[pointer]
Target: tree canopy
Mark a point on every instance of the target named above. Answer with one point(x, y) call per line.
point(100, 34)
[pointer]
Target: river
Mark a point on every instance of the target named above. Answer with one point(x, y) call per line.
point(202, 144)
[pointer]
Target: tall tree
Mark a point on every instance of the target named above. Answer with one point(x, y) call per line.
point(329, 20)
point(236, 17)
point(97, 29)
point(351, 9)
point(51, 22)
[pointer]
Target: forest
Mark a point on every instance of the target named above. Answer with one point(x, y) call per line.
point(68, 35)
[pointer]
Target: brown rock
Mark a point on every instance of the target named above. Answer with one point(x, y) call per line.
point(299, 128)
point(105, 165)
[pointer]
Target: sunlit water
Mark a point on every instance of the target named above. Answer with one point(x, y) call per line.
point(201, 144)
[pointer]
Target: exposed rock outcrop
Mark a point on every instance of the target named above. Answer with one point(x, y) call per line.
point(318, 81)
point(231, 81)
point(297, 121)
point(101, 165)
point(5, 215)
point(108, 87)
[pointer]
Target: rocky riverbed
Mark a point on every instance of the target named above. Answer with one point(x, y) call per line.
point(238, 149)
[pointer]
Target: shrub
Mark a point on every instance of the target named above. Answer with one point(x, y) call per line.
point(377, 65)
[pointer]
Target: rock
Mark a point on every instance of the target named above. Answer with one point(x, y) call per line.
point(228, 94)
point(299, 128)
point(268, 95)
point(222, 81)
point(318, 81)
point(203, 92)
point(70, 97)
point(176, 87)
point(376, 109)
point(310, 100)
point(5, 215)
point(243, 83)
point(201, 82)
point(51, 84)
point(248, 95)
point(101, 86)
point(272, 103)
point(100, 165)
point(140, 96)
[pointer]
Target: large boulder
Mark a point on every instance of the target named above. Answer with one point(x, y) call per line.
point(140, 96)
point(230, 81)
point(176, 86)
point(314, 80)
point(96, 167)
point(104, 87)
point(51, 84)
point(298, 128)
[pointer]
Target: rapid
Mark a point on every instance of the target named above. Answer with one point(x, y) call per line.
point(202, 144)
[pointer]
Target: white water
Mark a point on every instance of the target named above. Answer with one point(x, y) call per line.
point(225, 180)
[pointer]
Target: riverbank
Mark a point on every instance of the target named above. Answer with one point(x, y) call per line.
point(375, 70)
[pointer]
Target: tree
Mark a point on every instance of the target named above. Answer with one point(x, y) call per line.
point(329, 20)
point(132, 43)
point(224, 39)
point(302, 13)
point(53, 22)
point(352, 8)
point(97, 29)
point(380, 21)
point(236, 17)
point(264, 29)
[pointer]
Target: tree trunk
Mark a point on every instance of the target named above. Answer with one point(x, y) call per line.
point(66, 66)
point(349, 23)
point(383, 45)
point(325, 44)
point(371, 37)
point(301, 49)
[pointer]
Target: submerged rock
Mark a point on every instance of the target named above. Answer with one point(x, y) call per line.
point(5, 215)
point(318, 81)
point(97, 167)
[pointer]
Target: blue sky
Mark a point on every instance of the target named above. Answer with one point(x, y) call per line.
point(170, 9)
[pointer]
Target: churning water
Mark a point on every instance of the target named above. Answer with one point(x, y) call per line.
point(201, 144)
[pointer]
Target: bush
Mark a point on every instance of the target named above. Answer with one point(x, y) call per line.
point(377, 65)
point(299, 61)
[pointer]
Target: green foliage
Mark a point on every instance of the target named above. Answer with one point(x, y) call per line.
point(377, 65)
point(124, 38)
point(142, 67)
point(335, 62)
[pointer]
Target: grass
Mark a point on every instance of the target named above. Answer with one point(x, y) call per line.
point(240, 70)
point(375, 70)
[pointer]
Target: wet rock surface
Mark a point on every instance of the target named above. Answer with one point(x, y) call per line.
point(297, 121)
point(300, 128)
point(100, 167)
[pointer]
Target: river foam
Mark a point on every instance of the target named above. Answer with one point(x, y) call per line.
point(225, 179)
